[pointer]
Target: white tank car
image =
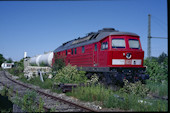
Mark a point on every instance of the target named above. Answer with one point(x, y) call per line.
point(45, 59)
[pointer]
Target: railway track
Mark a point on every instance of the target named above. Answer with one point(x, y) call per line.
point(50, 100)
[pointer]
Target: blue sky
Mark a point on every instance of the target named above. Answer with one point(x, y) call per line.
point(41, 26)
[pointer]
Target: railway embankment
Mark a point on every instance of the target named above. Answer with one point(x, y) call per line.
point(44, 99)
point(151, 96)
point(132, 97)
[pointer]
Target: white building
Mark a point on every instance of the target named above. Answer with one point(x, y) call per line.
point(7, 65)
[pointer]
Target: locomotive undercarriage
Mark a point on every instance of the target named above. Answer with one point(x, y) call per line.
point(110, 75)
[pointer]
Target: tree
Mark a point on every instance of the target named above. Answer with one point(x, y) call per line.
point(58, 64)
point(157, 68)
point(162, 57)
point(164, 68)
point(9, 60)
point(2, 59)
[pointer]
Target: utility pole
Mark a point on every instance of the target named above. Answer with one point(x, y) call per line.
point(149, 36)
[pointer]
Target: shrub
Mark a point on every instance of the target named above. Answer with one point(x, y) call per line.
point(70, 74)
point(136, 88)
point(94, 79)
point(160, 89)
point(58, 64)
point(18, 69)
point(47, 84)
point(4, 91)
point(28, 103)
point(42, 64)
point(156, 71)
point(2, 59)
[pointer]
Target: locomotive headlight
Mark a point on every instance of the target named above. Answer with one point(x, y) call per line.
point(128, 55)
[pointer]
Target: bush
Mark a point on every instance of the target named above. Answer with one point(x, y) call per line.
point(42, 64)
point(136, 88)
point(159, 89)
point(47, 84)
point(2, 59)
point(94, 79)
point(157, 72)
point(28, 103)
point(58, 64)
point(18, 69)
point(70, 74)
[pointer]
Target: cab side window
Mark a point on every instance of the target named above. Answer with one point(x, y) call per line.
point(72, 51)
point(104, 45)
point(75, 50)
point(95, 47)
point(83, 49)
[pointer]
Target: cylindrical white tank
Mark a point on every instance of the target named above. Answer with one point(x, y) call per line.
point(45, 59)
point(37, 60)
point(32, 60)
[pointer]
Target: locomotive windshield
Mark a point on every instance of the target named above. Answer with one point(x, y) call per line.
point(134, 44)
point(118, 43)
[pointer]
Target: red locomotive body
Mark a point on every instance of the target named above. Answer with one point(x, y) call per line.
point(110, 53)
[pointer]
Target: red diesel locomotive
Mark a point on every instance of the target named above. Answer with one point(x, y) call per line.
point(113, 55)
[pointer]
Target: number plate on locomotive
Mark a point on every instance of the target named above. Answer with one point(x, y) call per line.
point(128, 62)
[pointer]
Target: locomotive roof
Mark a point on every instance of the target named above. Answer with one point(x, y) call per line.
point(91, 38)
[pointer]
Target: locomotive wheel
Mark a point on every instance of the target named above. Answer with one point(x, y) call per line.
point(104, 81)
point(107, 78)
point(113, 85)
point(88, 75)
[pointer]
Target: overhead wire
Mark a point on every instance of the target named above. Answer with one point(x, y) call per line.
point(159, 20)
point(159, 23)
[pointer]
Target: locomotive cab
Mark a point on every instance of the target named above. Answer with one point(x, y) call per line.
point(126, 51)
point(125, 57)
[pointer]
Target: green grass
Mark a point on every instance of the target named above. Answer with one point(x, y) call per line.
point(133, 102)
point(47, 84)
point(111, 99)
point(90, 93)
point(126, 98)
point(27, 102)
point(160, 89)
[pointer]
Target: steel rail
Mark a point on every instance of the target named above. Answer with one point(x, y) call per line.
point(54, 97)
point(45, 108)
